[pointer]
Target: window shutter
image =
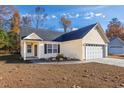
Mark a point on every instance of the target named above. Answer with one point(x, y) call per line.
point(45, 48)
point(58, 48)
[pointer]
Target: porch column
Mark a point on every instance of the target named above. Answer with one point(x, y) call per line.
point(38, 51)
point(24, 47)
point(106, 48)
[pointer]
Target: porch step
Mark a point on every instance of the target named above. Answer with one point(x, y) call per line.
point(31, 58)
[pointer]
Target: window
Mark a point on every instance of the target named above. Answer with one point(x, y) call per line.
point(49, 48)
point(29, 48)
point(55, 48)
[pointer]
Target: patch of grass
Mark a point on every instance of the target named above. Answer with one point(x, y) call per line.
point(15, 58)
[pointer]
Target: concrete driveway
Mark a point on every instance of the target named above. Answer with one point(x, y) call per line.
point(109, 61)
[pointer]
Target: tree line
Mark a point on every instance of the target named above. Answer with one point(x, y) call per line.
point(9, 28)
point(11, 21)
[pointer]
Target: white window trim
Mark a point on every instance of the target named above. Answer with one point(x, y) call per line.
point(51, 48)
point(55, 48)
point(29, 48)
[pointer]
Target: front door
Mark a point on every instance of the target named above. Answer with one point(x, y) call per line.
point(35, 50)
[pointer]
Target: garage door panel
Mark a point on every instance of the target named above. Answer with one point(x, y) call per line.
point(94, 51)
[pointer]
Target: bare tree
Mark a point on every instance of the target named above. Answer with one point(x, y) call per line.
point(38, 17)
point(26, 21)
point(65, 23)
point(6, 13)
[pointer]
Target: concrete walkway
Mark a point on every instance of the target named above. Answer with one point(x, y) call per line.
point(109, 61)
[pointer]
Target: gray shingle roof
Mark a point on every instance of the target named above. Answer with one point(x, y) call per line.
point(47, 35)
point(115, 37)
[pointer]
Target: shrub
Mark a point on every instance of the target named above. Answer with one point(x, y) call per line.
point(52, 59)
point(59, 56)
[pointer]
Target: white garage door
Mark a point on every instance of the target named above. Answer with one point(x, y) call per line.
point(94, 51)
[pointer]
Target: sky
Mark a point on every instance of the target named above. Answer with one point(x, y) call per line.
point(79, 15)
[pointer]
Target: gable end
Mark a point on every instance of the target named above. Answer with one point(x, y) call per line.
point(33, 36)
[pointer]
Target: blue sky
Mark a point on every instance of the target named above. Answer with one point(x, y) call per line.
point(79, 15)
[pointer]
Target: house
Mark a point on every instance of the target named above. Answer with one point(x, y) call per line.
point(89, 42)
point(116, 46)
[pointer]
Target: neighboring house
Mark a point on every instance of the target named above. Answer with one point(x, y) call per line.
point(116, 46)
point(89, 42)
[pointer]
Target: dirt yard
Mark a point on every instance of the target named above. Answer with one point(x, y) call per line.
point(13, 73)
point(116, 56)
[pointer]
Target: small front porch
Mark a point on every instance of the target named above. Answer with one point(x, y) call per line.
point(30, 49)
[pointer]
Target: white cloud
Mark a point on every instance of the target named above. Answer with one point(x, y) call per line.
point(53, 16)
point(98, 14)
point(89, 15)
point(103, 16)
point(64, 14)
point(60, 29)
point(92, 15)
point(28, 15)
point(71, 15)
point(77, 15)
point(48, 17)
point(74, 29)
